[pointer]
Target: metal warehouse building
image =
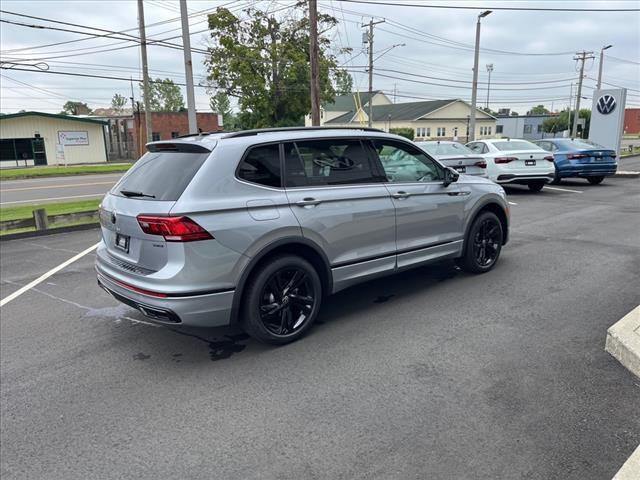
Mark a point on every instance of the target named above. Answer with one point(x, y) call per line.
point(36, 138)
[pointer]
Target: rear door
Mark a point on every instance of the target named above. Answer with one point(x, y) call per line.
point(151, 187)
point(339, 198)
point(428, 214)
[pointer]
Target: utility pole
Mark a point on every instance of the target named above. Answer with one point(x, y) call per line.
point(188, 68)
point(315, 70)
point(581, 56)
point(474, 86)
point(606, 47)
point(370, 42)
point(145, 73)
point(489, 70)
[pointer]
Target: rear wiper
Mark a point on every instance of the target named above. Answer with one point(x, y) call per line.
point(130, 193)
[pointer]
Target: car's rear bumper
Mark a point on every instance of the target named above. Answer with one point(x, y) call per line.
point(212, 309)
point(587, 170)
point(523, 179)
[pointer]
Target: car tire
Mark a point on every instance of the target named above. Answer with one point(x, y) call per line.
point(556, 178)
point(471, 260)
point(595, 180)
point(282, 300)
point(535, 186)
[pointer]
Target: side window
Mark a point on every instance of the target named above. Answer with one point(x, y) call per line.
point(476, 147)
point(484, 149)
point(262, 166)
point(406, 163)
point(327, 162)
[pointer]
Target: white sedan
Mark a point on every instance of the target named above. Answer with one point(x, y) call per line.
point(515, 161)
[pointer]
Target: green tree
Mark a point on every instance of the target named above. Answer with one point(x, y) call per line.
point(538, 110)
point(75, 108)
point(403, 132)
point(164, 96)
point(344, 82)
point(220, 104)
point(564, 121)
point(264, 63)
point(118, 102)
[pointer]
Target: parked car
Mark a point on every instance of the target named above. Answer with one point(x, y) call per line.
point(514, 161)
point(575, 157)
point(256, 227)
point(456, 155)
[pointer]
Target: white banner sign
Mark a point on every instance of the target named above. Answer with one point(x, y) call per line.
point(73, 138)
point(607, 117)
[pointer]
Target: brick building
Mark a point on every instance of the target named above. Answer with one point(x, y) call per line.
point(168, 125)
point(632, 121)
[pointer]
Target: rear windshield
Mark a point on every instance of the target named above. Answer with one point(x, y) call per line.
point(160, 175)
point(510, 146)
point(446, 148)
point(579, 144)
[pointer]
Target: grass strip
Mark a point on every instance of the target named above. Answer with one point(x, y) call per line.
point(36, 172)
point(26, 211)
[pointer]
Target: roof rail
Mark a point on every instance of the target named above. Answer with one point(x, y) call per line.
point(257, 131)
point(199, 134)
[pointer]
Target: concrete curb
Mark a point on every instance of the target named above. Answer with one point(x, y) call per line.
point(627, 174)
point(50, 231)
point(631, 468)
point(623, 341)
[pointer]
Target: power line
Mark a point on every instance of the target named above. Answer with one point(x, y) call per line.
point(469, 7)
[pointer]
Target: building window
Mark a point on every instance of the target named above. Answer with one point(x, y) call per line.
point(498, 128)
point(428, 131)
point(175, 134)
point(488, 130)
point(527, 128)
point(539, 128)
point(455, 132)
point(155, 136)
point(441, 132)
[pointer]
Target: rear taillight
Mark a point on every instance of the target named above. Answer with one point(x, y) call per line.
point(549, 158)
point(575, 156)
point(504, 159)
point(173, 229)
point(481, 164)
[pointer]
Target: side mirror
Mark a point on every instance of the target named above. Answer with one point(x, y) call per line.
point(450, 176)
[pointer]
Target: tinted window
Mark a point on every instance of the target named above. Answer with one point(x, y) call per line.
point(262, 166)
point(476, 147)
point(509, 146)
point(164, 175)
point(327, 162)
point(406, 163)
point(579, 144)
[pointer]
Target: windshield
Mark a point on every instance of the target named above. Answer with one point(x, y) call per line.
point(513, 145)
point(446, 148)
point(160, 175)
point(579, 144)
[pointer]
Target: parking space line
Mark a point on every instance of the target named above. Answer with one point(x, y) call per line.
point(513, 203)
point(563, 189)
point(46, 275)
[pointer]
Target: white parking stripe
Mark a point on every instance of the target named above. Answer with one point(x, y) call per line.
point(563, 189)
point(44, 276)
point(34, 200)
point(513, 203)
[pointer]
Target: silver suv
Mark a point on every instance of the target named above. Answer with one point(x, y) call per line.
point(256, 227)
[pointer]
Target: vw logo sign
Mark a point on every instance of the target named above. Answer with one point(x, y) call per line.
point(606, 104)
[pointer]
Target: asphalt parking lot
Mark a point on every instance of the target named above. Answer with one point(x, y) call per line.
point(429, 374)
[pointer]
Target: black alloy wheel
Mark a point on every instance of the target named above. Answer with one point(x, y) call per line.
point(483, 244)
point(282, 300)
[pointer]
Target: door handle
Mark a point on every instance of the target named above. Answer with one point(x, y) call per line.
point(308, 202)
point(401, 195)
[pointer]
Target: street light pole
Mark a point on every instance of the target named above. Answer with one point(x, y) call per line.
point(314, 60)
point(489, 69)
point(370, 42)
point(600, 66)
point(474, 87)
point(188, 68)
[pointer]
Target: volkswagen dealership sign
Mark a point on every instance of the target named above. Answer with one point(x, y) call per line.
point(607, 117)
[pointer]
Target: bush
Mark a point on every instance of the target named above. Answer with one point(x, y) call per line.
point(403, 132)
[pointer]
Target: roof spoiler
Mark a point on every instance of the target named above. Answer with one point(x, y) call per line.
point(184, 147)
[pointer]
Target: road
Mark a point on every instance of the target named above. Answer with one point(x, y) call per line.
point(55, 189)
point(432, 373)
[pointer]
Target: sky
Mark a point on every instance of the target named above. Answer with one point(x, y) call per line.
point(532, 52)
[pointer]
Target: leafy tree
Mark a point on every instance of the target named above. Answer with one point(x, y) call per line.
point(220, 104)
point(564, 121)
point(538, 110)
point(118, 102)
point(514, 114)
point(403, 132)
point(264, 63)
point(344, 82)
point(164, 96)
point(75, 108)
